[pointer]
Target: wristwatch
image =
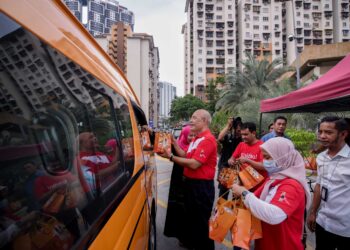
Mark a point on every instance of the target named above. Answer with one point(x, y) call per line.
point(244, 194)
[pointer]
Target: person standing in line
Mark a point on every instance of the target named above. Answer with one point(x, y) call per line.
point(175, 220)
point(329, 215)
point(199, 170)
point(229, 137)
point(279, 127)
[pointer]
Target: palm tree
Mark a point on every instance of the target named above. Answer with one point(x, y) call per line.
point(256, 81)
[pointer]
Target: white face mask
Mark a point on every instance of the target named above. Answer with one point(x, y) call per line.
point(271, 166)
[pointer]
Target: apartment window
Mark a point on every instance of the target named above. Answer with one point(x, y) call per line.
point(200, 60)
point(209, 52)
point(276, 17)
point(229, 16)
point(277, 34)
point(247, 34)
point(219, 17)
point(344, 24)
point(278, 52)
point(200, 23)
point(247, 25)
point(315, 7)
point(298, 13)
point(326, 6)
point(345, 32)
point(307, 16)
point(265, 10)
point(328, 24)
point(256, 36)
point(210, 61)
point(218, 8)
point(255, 18)
point(200, 51)
point(229, 61)
point(266, 27)
point(230, 51)
point(230, 7)
point(256, 27)
point(230, 42)
point(276, 8)
point(200, 70)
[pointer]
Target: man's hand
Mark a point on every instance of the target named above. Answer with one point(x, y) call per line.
point(237, 190)
point(231, 161)
point(243, 160)
point(311, 222)
point(166, 153)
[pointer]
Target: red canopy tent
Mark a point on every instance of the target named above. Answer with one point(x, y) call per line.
point(329, 93)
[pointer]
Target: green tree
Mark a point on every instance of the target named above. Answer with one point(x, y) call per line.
point(254, 81)
point(182, 108)
point(212, 94)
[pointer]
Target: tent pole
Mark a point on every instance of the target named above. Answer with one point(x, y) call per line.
point(260, 121)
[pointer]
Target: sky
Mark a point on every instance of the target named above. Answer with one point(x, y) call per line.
point(163, 19)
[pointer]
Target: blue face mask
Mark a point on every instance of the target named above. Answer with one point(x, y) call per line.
point(271, 166)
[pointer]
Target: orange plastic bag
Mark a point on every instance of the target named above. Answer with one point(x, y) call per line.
point(162, 141)
point(241, 230)
point(146, 141)
point(250, 177)
point(310, 163)
point(256, 229)
point(228, 176)
point(222, 219)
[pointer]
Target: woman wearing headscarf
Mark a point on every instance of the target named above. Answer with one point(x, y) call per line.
point(176, 217)
point(280, 202)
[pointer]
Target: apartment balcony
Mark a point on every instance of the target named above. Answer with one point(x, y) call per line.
point(329, 40)
point(317, 41)
point(344, 14)
point(307, 41)
point(307, 5)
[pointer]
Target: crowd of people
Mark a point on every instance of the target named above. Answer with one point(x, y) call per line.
point(282, 202)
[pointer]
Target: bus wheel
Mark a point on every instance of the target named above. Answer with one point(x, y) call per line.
point(152, 239)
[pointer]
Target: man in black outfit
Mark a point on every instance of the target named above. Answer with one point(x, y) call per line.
point(229, 137)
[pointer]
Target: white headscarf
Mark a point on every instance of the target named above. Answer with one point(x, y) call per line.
point(289, 159)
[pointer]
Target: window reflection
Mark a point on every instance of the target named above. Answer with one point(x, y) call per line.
point(66, 144)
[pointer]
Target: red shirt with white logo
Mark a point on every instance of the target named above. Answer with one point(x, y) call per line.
point(290, 197)
point(251, 152)
point(203, 149)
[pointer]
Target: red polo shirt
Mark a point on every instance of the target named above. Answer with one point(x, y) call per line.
point(203, 149)
point(290, 197)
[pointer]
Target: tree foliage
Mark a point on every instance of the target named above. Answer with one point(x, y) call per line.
point(212, 94)
point(183, 107)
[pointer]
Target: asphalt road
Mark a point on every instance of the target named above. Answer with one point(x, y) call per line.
point(164, 168)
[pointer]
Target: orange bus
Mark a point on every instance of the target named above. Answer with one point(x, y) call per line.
point(73, 170)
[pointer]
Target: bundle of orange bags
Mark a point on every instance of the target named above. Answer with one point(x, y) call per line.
point(162, 142)
point(233, 216)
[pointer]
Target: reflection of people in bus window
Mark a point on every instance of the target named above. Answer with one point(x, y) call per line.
point(95, 166)
point(111, 148)
point(32, 171)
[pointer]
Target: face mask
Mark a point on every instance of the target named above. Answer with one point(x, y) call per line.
point(271, 166)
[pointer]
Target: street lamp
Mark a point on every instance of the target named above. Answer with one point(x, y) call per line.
point(292, 37)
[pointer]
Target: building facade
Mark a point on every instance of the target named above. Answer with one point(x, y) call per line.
point(101, 14)
point(218, 30)
point(143, 73)
point(167, 95)
point(211, 42)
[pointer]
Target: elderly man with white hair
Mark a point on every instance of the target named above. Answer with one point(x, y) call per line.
point(199, 163)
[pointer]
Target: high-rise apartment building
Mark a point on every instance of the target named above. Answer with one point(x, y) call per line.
point(117, 44)
point(167, 95)
point(218, 30)
point(315, 23)
point(143, 73)
point(76, 7)
point(210, 41)
point(101, 14)
point(259, 29)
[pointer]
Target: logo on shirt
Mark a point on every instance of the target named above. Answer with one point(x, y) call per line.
point(202, 154)
point(283, 198)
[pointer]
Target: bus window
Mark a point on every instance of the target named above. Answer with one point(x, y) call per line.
point(64, 136)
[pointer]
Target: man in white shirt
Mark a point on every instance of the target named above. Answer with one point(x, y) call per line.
point(330, 214)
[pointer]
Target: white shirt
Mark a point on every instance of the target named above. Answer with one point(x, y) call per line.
point(334, 174)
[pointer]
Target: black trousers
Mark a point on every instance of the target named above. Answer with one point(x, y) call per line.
point(329, 241)
point(199, 199)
